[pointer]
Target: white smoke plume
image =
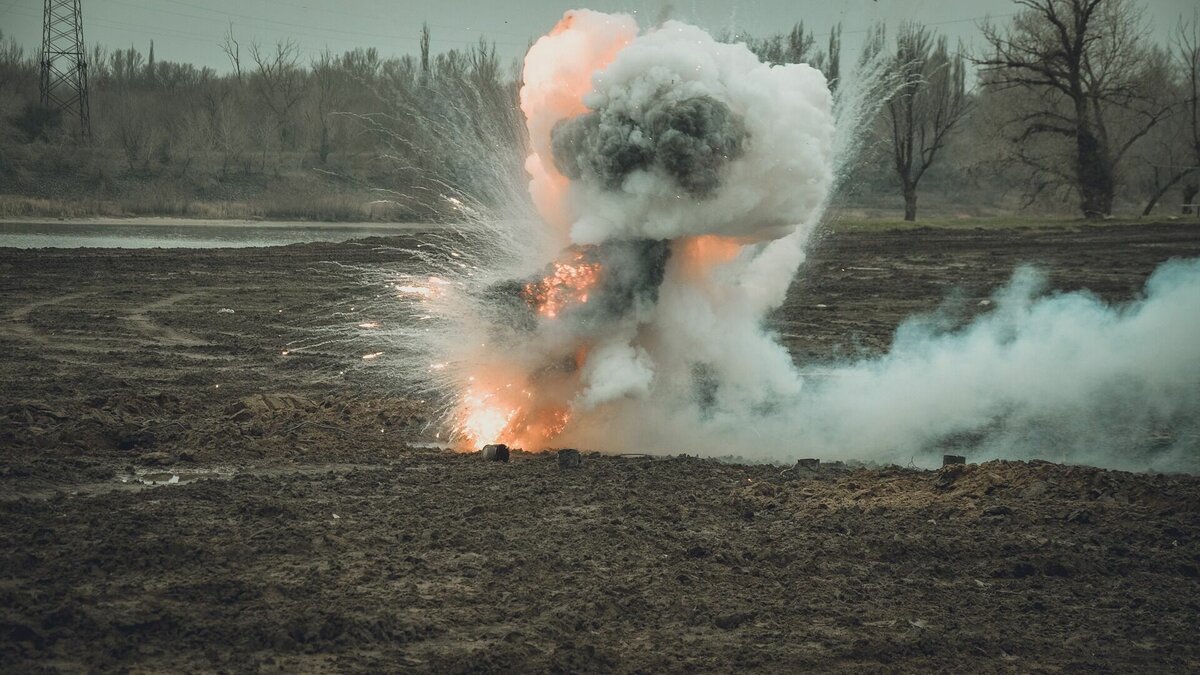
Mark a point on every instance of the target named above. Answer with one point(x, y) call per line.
point(678, 181)
point(699, 137)
point(1062, 377)
point(676, 137)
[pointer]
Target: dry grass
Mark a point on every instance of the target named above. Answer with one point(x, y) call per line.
point(332, 208)
point(858, 221)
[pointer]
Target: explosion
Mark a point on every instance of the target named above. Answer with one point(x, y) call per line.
point(662, 166)
point(673, 185)
point(568, 284)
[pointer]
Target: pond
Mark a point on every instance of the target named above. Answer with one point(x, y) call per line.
point(180, 233)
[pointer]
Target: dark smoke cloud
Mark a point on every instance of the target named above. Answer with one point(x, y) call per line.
point(632, 272)
point(689, 140)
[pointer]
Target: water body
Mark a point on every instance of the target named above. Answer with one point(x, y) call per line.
point(180, 233)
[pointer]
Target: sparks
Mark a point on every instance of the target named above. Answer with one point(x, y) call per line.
point(569, 283)
point(418, 291)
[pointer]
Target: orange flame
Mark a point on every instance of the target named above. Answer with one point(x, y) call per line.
point(699, 255)
point(569, 284)
point(557, 75)
point(497, 416)
point(484, 418)
point(502, 404)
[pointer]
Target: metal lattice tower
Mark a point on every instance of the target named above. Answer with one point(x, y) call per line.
point(64, 83)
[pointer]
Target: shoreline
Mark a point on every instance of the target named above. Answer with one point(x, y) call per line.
point(835, 220)
point(177, 221)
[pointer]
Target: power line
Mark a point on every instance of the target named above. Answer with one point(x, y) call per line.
point(139, 29)
point(149, 31)
point(322, 33)
point(859, 31)
point(323, 30)
point(945, 23)
point(378, 17)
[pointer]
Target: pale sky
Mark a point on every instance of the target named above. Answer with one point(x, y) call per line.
point(189, 30)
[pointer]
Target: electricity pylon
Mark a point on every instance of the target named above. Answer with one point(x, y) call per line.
point(64, 83)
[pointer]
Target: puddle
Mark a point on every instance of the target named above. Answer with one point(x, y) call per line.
point(153, 478)
point(147, 477)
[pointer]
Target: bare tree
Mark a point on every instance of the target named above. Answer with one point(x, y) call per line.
point(1187, 52)
point(1168, 154)
point(424, 54)
point(1082, 65)
point(280, 82)
point(98, 72)
point(136, 133)
point(795, 46)
point(327, 80)
point(13, 65)
point(226, 132)
point(930, 100)
point(832, 67)
point(126, 67)
point(799, 46)
point(233, 51)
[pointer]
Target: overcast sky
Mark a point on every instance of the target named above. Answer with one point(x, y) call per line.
point(189, 30)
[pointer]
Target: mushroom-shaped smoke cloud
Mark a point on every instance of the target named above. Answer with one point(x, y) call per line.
point(673, 135)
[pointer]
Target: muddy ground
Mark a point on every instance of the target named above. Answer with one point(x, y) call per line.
point(178, 494)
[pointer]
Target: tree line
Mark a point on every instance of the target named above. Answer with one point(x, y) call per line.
point(1068, 105)
point(398, 128)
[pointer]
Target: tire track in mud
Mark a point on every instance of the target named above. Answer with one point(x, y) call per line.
point(16, 324)
point(144, 327)
point(160, 334)
point(142, 478)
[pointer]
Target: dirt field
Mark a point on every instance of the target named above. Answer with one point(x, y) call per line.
point(300, 530)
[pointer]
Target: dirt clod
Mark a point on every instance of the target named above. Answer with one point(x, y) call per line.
point(1080, 517)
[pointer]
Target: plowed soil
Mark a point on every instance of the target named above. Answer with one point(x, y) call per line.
point(177, 493)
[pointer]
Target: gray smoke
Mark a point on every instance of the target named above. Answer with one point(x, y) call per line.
point(631, 274)
point(689, 140)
